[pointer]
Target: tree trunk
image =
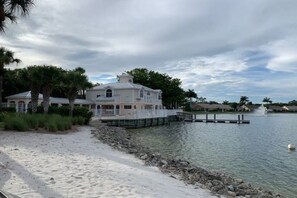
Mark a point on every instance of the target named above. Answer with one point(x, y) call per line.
point(34, 98)
point(46, 91)
point(1, 87)
point(71, 106)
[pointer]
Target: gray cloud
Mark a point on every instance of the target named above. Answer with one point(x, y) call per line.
point(216, 42)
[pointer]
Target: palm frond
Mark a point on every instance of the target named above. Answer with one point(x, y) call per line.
point(11, 17)
point(20, 5)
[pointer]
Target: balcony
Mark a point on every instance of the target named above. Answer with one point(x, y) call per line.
point(108, 99)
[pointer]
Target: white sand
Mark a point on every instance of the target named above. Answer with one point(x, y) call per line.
point(78, 165)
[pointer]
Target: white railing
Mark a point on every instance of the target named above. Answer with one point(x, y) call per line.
point(141, 114)
point(129, 99)
point(172, 112)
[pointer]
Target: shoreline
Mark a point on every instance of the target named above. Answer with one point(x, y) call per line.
point(217, 183)
point(77, 164)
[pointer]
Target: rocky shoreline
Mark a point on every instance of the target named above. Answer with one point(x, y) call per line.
point(217, 183)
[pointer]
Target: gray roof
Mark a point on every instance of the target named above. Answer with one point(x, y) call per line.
point(276, 108)
point(27, 95)
point(292, 108)
point(127, 85)
point(211, 106)
point(66, 101)
point(23, 95)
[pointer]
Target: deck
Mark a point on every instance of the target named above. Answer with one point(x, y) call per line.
point(189, 117)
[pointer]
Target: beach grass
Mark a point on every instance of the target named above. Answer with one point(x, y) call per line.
point(51, 122)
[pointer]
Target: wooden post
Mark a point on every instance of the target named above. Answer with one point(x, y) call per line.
point(214, 117)
point(242, 117)
point(206, 116)
point(238, 119)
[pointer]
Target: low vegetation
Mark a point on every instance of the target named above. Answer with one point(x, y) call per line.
point(51, 122)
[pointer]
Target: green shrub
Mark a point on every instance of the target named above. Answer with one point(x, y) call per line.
point(51, 126)
point(83, 112)
point(78, 120)
point(8, 109)
point(2, 115)
point(23, 122)
point(15, 123)
point(31, 120)
point(63, 123)
point(64, 111)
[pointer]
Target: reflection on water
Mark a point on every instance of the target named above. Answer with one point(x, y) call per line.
point(256, 152)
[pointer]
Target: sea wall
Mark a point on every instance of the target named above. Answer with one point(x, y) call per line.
point(216, 182)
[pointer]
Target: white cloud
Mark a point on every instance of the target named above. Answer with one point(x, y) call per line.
point(284, 54)
point(204, 43)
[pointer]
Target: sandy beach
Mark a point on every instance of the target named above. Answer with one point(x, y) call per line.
point(79, 165)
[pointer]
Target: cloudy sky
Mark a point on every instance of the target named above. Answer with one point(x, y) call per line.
point(223, 49)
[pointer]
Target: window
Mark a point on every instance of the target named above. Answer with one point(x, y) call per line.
point(148, 93)
point(108, 93)
point(127, 107)
point(141, 93)
point(160, 96)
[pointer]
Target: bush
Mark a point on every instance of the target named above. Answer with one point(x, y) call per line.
point(32, 121)
point(24, 122)
point(78, 120)
point(8, 109)
point(64, 111)
point(83, 112)
point(51, 126)
point(15, 123)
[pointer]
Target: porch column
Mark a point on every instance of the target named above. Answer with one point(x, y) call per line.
point(26, 106)
point(96, 110)
point(114, 109)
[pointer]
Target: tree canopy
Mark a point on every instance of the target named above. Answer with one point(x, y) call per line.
point(6, 58)
point(173, 95)
point(243, 100)
point(74, 81)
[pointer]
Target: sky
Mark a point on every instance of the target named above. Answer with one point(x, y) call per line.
point(223, 49)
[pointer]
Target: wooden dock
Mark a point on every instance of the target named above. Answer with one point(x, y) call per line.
point(189, 117)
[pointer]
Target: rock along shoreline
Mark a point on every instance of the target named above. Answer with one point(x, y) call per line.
point(217, 183)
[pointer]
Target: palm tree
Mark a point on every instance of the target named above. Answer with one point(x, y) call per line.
point(267, 100)
point(9, 9)
point(73, 82)
point(243, 100)
point(50, 77)
point(32, 77)
point(6, 58)
point(190, 94)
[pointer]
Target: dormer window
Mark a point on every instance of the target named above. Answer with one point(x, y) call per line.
point(108, 93)
point(141, 93)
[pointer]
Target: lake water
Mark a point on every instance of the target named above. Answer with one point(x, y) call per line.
point(256, 152)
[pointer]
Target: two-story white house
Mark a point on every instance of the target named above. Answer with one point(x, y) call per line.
point(120, 100)
point(124, 98)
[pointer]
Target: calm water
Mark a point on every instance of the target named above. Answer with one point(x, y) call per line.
point(255, 152)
